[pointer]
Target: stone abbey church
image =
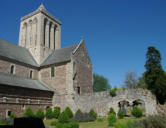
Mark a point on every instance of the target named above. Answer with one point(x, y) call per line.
point(38, 73)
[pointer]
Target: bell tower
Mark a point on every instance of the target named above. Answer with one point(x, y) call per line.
point(40, 33)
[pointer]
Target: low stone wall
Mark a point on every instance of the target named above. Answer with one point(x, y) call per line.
point(102, 101)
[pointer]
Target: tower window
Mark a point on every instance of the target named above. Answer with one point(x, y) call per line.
point(52, 72)
point(12, 69)
point(31, 74)
point(78, 90)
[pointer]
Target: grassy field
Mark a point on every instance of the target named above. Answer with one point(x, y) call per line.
point(99, 124)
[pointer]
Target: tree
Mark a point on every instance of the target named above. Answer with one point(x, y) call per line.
point(49, 113)
point(56, 112)
point(100, 83)
point(29, 113)
point(141, 82)
point(155, 77)
point(131, 80)
point(68, 112)
point(40, 113)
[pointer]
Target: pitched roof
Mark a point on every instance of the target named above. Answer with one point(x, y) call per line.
point(17, 53)
point(60, 55)
point(16, 81)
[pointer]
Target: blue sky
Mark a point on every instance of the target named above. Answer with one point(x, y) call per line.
point(116, 32)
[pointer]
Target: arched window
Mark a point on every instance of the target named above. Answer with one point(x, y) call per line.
point(12, 69)
point(52, 71)
point(31, 74)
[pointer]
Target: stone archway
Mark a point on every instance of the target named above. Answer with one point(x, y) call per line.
point(124, 105)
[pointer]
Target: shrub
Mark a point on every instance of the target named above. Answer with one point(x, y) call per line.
point(113, 92)
point(56, 112)
point(93, 113)
point(112, 111)
point(67, 125)
point(100, 119)
point(126, 124)
point(69, 112)
point(74, 125)
point(12, 116)
point(137, 112)
point(120, 114)
point(49, 114)
point(83, 117)
point(63, 118)
point(40, 113)
point(156, 121)
point(29, 113)
point(78, 111)
point(111, 119)
point(53, 123)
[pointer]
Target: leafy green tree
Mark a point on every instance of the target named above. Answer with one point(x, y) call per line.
point(141, 82)
point(100, 83)
point(155, 77)
point(40, 113)
point(29, 113)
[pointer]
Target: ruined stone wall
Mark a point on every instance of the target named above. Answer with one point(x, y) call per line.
point(83, 75)
point(19, 69)
point(17, 99)
point(102, 101)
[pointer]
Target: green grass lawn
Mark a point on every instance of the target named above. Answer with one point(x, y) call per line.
point(99, 124)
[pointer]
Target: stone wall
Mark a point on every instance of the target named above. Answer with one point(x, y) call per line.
point(58, 81)
point(102, 101)
point(19, 70)
point(17, 99)
point(83, 74)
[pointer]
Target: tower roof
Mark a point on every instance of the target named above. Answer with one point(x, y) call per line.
point(41, 9)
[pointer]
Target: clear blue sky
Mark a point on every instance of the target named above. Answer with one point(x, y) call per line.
point(117, 32)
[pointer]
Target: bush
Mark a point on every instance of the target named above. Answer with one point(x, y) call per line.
point(93, 113)
point(78, 111)
point(156, 121)
point(56, 112)
point(49, 113)
point(113, 92)
point(112, 111)
point(53, 123)
point(63, 118)
point(40, 113)
point(12, 116)
point(111, 119)
point(126, 124)
point(83, 117)
point(100, 119)
point(137, 112)
point(67, 125)
point(69, 112)
point(120, 114)
point(29, 113)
